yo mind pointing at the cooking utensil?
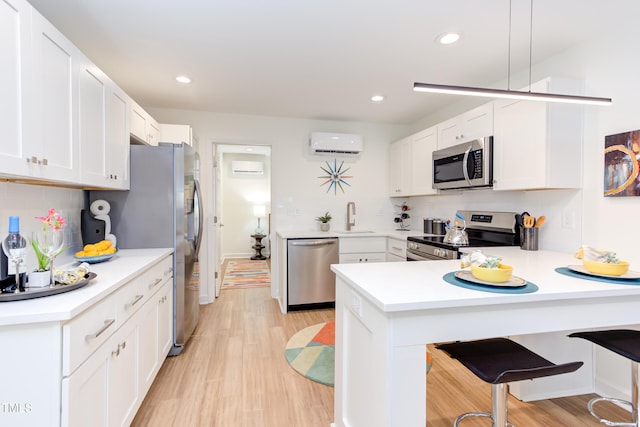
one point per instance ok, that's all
(540, 221)
(528, 221)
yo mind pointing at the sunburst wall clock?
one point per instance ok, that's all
(335, 176)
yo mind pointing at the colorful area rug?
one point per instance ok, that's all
(311, 352)
(246, 274)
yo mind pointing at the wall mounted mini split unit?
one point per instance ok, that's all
(240, 167)
(335, 143)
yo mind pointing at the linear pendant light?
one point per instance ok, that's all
(511, 94)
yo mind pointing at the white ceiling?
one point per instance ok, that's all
(321, 59)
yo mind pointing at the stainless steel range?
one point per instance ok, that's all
(483, 228)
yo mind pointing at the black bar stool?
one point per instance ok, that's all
(499, 361)
(626, 343)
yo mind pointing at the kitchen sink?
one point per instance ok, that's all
(354, 231)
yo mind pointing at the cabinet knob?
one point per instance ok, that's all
(45, 162)
(32, 159)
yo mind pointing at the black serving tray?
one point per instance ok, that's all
(58, 288)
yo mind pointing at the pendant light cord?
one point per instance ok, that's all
(530, 41)
(509, 51)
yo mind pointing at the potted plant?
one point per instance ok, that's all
(324, 221)
(47, 244)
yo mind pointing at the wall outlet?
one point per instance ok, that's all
(568, 220)
(356, 303)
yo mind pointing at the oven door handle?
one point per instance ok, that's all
(465, 165)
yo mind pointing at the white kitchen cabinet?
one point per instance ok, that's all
(400, 168)
(476, 123)
(104, 129)
(51, 143)
(104, 391)
(15, 56)
(362, 249)
(156, 334)
(176, 134)
(396, 250)
(144, 128)
(422, 146)
(38, 104)
(112, 352)
(538, 145)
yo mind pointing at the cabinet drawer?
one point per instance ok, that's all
(397, 247)
(86, 332)
(158, 274)
(353, 258)
(129, 298)
(363, 244)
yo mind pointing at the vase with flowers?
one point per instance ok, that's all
(47, 244)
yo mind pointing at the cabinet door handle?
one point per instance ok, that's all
(116, 352)
(169, 271)
(128, 305)
(99, 332)
(155, 283)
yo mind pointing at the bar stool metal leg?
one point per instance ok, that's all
(634, 404)
(499, 408)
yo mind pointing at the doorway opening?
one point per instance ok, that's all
(242, 203)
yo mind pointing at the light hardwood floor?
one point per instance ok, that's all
(233, 373)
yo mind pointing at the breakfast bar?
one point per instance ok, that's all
(387, 312)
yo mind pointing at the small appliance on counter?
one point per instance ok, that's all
(482, 228)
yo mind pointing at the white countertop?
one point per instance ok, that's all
(403, 286)
(110, 276)
(302, 234)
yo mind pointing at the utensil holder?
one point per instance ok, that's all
(529, 239)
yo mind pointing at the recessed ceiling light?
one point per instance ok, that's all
(448, 38)
(377, 98)
(183, 79)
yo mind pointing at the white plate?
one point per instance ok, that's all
(629, 275)
(514, 282)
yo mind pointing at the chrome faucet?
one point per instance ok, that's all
(351, 215)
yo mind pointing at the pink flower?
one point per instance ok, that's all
(53, 220)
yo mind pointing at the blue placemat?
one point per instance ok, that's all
(568, 272)
(526, 289)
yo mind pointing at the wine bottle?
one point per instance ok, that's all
(15, 248)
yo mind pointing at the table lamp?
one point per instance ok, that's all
(259, 211)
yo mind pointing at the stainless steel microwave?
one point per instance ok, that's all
(466, 165)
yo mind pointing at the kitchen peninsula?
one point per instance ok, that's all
(387, 312)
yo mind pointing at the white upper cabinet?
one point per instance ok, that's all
(422, 146)
(176, 134)
(144, 128)
(476, 123)
(104, 129)
(538, 145)
(400, 168)
(51, 143)
(15, 64)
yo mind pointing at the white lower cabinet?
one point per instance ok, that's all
(156, 325)
(362, 249)
(396, 250)
(111, 381)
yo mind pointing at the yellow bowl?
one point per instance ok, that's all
(606, 269)
(496, 275)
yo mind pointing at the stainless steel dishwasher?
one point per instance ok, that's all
(310, 281)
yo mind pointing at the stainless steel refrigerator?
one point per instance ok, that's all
(163, 209)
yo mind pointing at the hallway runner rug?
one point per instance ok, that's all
(246, 274)
(311, 352)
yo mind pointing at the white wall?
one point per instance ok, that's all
(296, 195)
(239, 194)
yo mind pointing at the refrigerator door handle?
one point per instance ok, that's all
(198, 201)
